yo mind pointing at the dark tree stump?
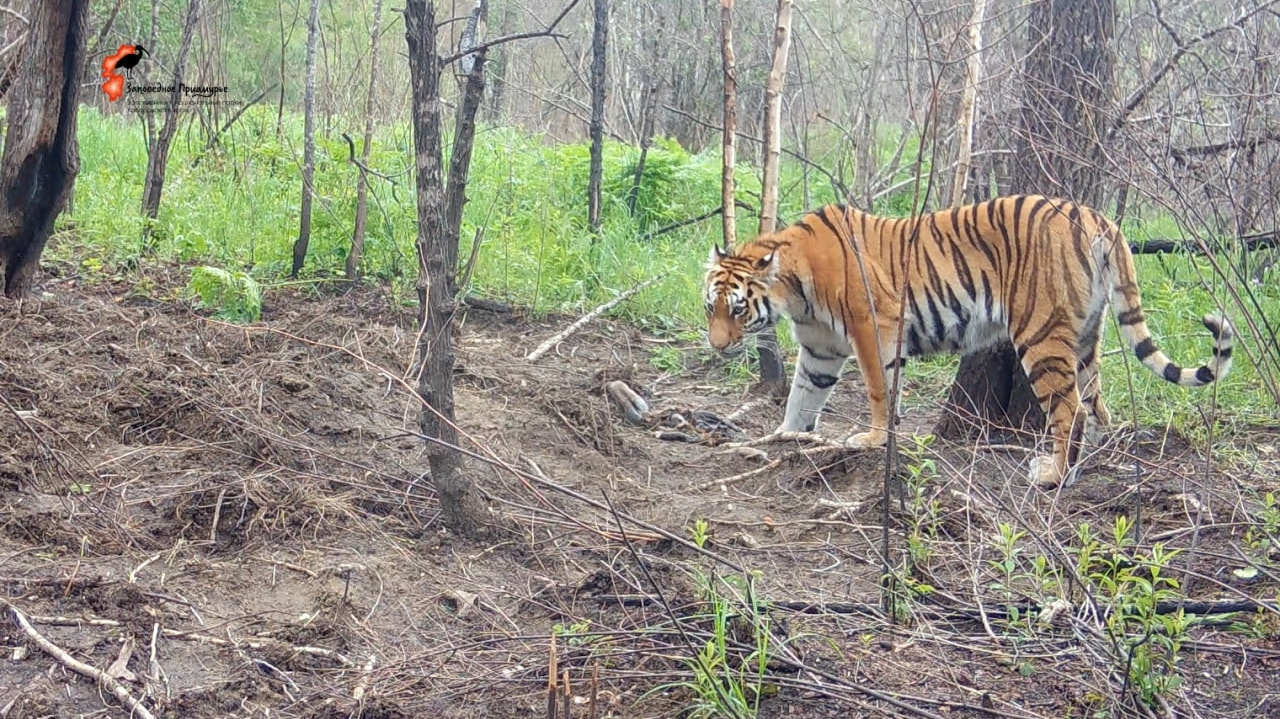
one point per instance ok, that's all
(41, 157)
(990, 394)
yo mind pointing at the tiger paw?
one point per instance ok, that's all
(866, 440)
(1044, 472)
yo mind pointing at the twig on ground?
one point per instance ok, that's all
(134, 705)
(738, 477)
(546, 347)
(362, 685)
(748, 408)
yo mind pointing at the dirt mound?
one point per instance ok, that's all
(238, 520)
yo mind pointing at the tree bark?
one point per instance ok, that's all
(773, 119)
(1068, 77)
(308, 141)
(158, 157)
(772, 371)
(599, 39)
(969, 103)
(455, 196)
(362, 181)
(728, 155)
(461, 506)
(41, 156)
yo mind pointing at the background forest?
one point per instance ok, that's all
(211, 418)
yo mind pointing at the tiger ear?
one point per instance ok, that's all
(764, 262)
(717, 254)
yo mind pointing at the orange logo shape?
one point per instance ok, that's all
(126, 58)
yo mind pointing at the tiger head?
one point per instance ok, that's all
(737, 294)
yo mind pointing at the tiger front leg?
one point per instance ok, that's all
(817, 371)
(880, 370)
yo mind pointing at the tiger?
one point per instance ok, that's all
(1034, 270)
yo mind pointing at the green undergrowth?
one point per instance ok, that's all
(235, 208)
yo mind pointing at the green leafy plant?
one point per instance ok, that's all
(1131, 585)
(232, 295)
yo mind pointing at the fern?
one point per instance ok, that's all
(232, 295)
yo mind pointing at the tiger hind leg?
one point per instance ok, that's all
(1051, 371)
(1089, 383)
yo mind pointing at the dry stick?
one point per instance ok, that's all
(135, 706)
(562, 336)
(362, 686)
(551, 680)
(737, 477)
(595, 686)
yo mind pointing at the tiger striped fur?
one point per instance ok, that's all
(1036, 270)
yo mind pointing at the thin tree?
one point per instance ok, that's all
(362, 181)
(599, 41)
(773, 118)
(41, 157)
(462, 508)
(158, 157)
(1067, 83)
(968, 103)
(308, 141)
(730, 132)
(455, 194)
(772, 378)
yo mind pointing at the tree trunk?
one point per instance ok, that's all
(729, 145)
(498, 67)
(464, 132)
(773, 119)
(308, 141)
(158, 157)
(1067, 85)
(362, 181)
(772, 371)
(599, 38)
(461, 506)
(969, 103)
(647, 111)
(41, 157)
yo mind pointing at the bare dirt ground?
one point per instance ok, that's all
(237, 522)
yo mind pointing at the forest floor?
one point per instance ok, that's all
(237, 522)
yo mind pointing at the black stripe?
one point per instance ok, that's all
(821, 355)
(897, 363)
(1223, 353)
(1204, 375)
(1144, 349)
(822, 215)
(1049, 365)
(1214, 328)
(1131, 317)
(1172, 372)
(820, 379)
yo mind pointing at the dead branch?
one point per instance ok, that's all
(1259, 241)
(545, 347)
(134, 705)
(1139, 95)
(689, 221)
(351, 157)
(548, 32)
(1182, 155)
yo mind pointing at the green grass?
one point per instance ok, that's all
(237, 209)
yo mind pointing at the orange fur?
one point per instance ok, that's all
(1036, 270)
